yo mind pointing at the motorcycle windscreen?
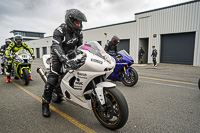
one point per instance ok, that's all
(95, 48)
(124, 52)
(23, 51)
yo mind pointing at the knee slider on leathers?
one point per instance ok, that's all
(47, 93)
(52, 79)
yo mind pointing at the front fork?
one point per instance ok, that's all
(98, 90)
(126, 70)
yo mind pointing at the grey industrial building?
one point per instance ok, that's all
(27, 35)
(173, 30)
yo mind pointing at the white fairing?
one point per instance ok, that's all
(99, 90)
(23, 56)
(46, 58)
(94, 66)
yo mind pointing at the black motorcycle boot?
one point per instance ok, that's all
(45, 108)
(16, 77)
(46, 98)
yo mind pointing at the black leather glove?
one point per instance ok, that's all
(63, 59)
(72, 64)
(71, 54)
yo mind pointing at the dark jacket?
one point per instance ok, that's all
(65, 40)
(3, 48)
(110, 49)
(141, 52)
(154, 53)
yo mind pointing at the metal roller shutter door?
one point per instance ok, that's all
(178, 48)
(124, 44)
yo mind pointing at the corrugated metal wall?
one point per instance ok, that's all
(178, 19)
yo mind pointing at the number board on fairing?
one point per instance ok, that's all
(97, 61)
(24, 56)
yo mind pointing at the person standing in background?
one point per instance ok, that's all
(154, 55)
(141, 53)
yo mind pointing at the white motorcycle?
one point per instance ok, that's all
(87, 88)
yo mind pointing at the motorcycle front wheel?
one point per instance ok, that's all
(131, 80)
(26, 76)
(114, 113)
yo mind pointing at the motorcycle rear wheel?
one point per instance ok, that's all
(56, 98)
(114, 113)
(26, 76)
(131, 80)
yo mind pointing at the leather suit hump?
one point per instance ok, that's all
(112, 48)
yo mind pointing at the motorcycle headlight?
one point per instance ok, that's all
(30, 60)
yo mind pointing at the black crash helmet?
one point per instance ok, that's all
(115, 40)
(74, 14)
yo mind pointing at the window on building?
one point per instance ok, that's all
(19, 33)
(32, 34)
(41, 35)
(38, 52)
(44, 50)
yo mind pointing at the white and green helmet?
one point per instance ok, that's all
(8, 40)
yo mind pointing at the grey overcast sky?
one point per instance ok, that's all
(46, 15)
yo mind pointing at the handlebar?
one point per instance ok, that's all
(78, 62)
(118, 57)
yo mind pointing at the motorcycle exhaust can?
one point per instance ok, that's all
(42, 75)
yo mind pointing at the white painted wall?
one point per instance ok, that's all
(44, 42)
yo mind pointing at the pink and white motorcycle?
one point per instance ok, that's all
(86, 86)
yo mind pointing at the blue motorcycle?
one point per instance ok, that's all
(123, 71)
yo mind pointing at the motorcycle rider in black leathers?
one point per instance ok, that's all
(111, 47)
(2, 50)
(66, 37)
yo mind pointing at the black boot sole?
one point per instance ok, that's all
(46, 116)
